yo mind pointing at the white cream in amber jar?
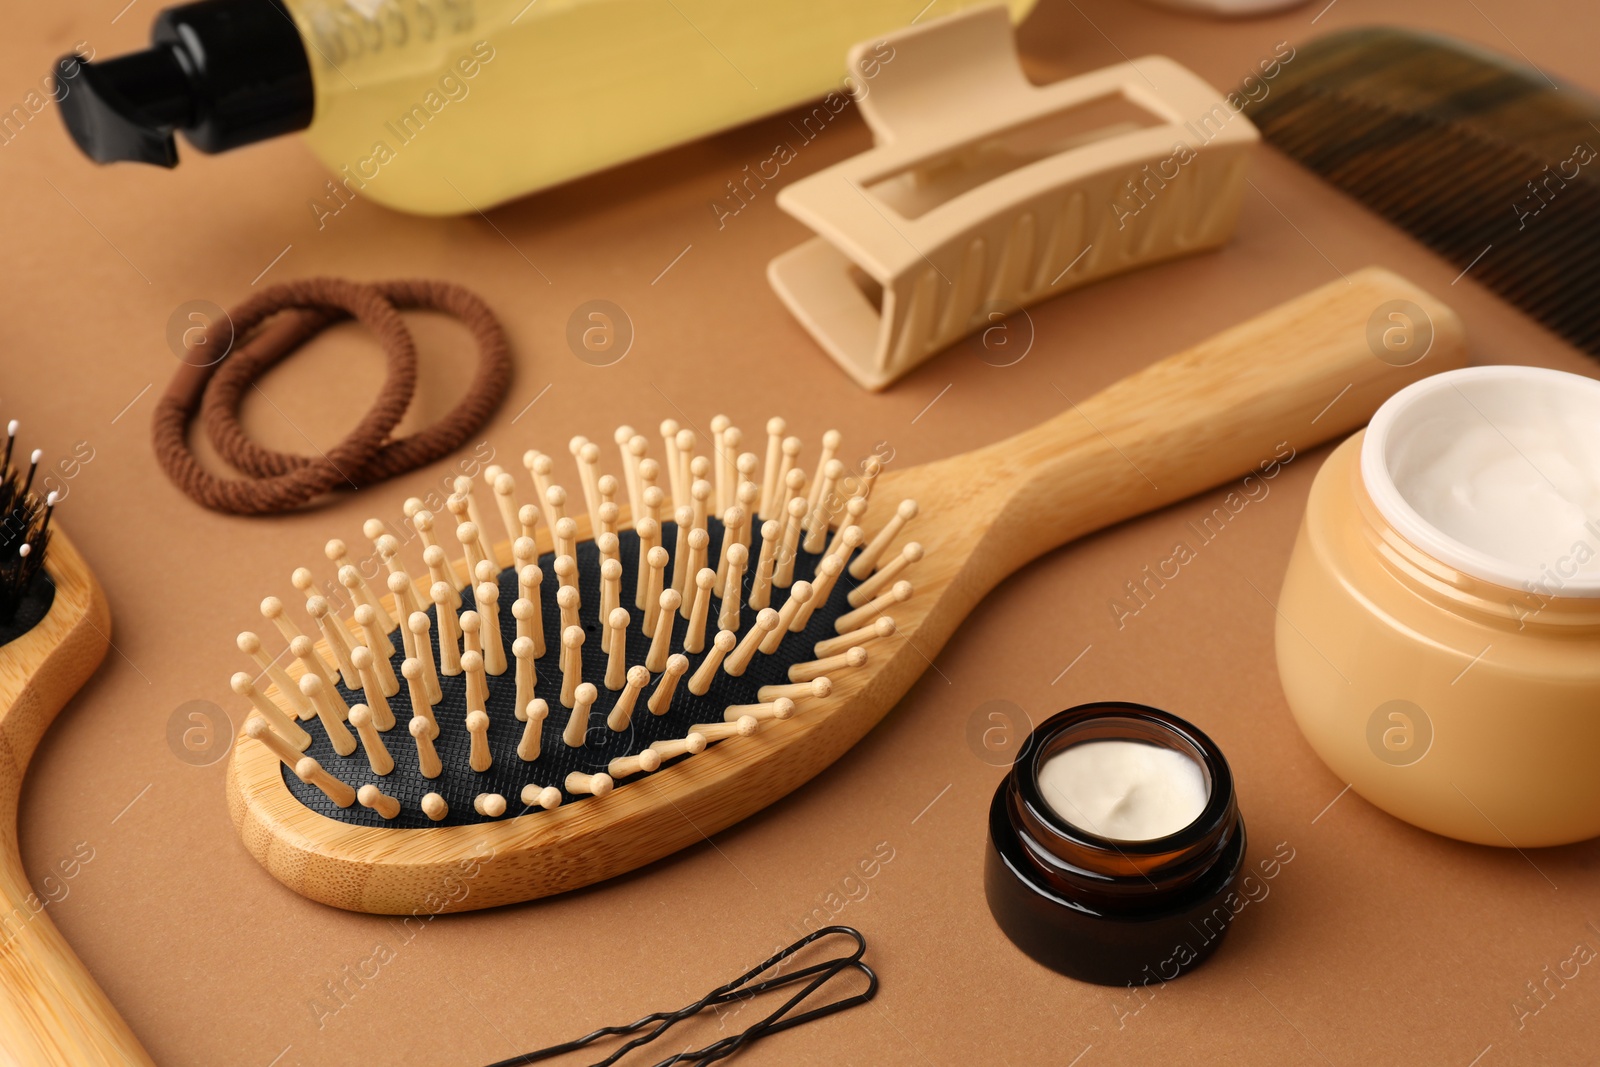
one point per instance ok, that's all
(1124, 790)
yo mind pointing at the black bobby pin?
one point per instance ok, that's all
(745, 987)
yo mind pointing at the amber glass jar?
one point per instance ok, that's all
(1105, 910)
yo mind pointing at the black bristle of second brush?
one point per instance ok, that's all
(25, 591)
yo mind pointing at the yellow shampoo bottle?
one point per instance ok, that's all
(442, 107)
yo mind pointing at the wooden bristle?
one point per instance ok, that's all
(716, 600)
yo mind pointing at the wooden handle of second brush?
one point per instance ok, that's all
(1291, 378)
(52, 1014)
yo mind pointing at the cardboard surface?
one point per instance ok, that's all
(1377, 943)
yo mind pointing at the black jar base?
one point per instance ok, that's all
(1092, 946)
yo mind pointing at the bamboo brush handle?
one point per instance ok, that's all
(1298, 375)
(52, 1014)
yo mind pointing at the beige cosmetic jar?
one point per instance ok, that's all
(1438, 633)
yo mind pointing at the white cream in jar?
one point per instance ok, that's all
(1124, 790)
(1496, 472)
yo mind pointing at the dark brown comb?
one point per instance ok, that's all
(1487, 161)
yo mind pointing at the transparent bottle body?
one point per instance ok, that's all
(442, 107)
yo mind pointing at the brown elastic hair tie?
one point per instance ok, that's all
(276, 322)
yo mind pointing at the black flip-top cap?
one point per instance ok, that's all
(224, 72)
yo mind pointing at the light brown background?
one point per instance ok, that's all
(1378, 943)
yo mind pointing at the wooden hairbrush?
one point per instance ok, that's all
(54, 630)
(644, 741)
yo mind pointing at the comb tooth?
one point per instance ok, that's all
(772, 473)
(592, 784)
(250, 645)
(311, 772)
(623, 435)
(331, 711)
(699, 544)
(272, 611)
(400, 588)
(449, 659)
(547, 797)
(385, 544)
(854, 509)
(848, 541)
(746, 726)
(820, 483)
(351, 579)
(583, 698)
(669, 442)
(661, 700)
(690, 745)
(567, 603)
(627, 766)
(563, 528)
(700, 502)
(528, 625)
(622, 711)
(372, 797)
(532, 733)
(828, 572)
(306, 652)
(616, 640)
(258, 728)
(607, 486)
(494, 649)
(428, 763)
(720, 424)
(435, 807)
(799, 597)
(748, 465)
(720, 647)
(870, 469)
(464, 491)
(571, 666)
(489, 805)
(731, 518)
(694, 638)
(422, 522)
(540, 467)
(371, 686)
(766, 563)
(419, 626)
(886, 574)
(733, 588)
(681, 450)
(898, 593)
(566, 568)
(661, 636)
(440, 572)
(417, 691)
(526, 554)
(505, 497)
(336, 636)
(790, 544)
(527, 675)
(649, 536)
(282, 725)
(610, 595)
(478, 727)
(820, 512)
(739, 659)
(378, 757)
(779, 708)
(649, 474)
(610, 514)
(655, 579)
(527, 525)
(880, 627)
(816, 689)
(471, 546)
(869, 556)
(368, 620)
(683, 518)
(828, 665)
(477, 683)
